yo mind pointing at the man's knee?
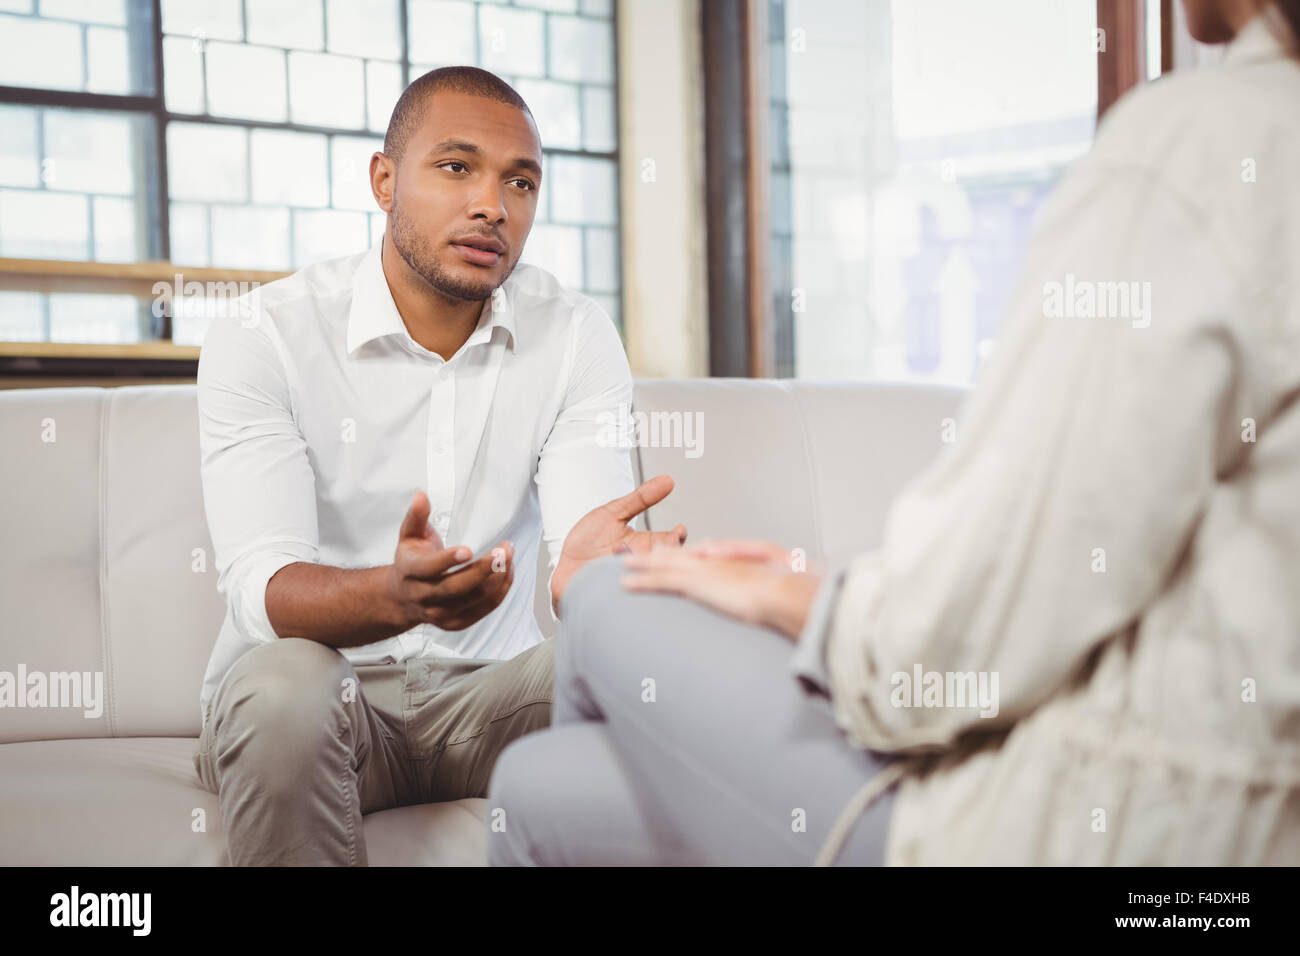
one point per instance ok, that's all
(291, 692)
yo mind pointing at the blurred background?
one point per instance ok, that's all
(832, 189)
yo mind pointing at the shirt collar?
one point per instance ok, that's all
(373, 313)
(1266, 36)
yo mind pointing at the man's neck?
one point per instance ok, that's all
(439, 323)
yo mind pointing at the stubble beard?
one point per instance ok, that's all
(417, 252)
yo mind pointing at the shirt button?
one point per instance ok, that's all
(440, 448)
(443, 516)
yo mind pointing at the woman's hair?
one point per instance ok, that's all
(1291, 10)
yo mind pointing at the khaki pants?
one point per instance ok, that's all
(299, 744)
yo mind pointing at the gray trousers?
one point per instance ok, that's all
(299, 744)
(678, 737)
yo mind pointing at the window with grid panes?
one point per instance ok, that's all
(237, 134)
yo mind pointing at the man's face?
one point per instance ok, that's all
(465, 193)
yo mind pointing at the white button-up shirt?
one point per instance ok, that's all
(320, 417)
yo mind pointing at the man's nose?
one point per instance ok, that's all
(488, 203)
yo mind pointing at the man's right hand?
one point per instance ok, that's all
(425, 589)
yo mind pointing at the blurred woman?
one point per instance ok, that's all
(1111, 548)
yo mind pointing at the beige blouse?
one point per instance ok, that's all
(1113, 542)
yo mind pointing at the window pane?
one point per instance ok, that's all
(81, 317)
(602, 260)
(112, 12)
(555, 107)
(115, 229)
(22, 317)
(108, 62)
(583, 190)
(183, 74)
(204, 19)
(441, 32)
(558, 250)
(368, 28)
(581, 49)
(289, 168)
(900, 216)
(350, 167)
(287, 23)
(207, 161)
(325, 234)
(511, 41)
(20, 161)
(77, 45)
(598, 133)
(40, 53)
(561, 6)
(89, 152)
(79, 200)
(189, 233)
(383, 87)
(246, 82)
(326, 90)
(250, 237)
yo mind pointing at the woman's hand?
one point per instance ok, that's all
(749, 581)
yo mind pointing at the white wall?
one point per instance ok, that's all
(661, 148)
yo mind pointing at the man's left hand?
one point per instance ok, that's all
(604, 530)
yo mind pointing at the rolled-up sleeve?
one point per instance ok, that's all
(1083, 462)
(258, 485)
(808, 663)
(586, 460)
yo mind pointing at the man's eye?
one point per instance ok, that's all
(525, 184)
(457, 166)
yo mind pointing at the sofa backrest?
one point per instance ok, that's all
(106, 562)
(809, 465)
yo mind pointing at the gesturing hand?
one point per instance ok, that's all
(425, 589)
(604, 530)
(750, 581)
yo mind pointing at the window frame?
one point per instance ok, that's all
(159, 356)
(750, 334)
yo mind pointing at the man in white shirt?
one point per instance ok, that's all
(429, 395)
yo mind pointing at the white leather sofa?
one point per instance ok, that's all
(106, 567)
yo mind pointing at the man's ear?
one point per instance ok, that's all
(383, 174)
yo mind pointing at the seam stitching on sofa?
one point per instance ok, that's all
(638, 466)
(812, 472)
(105, 411)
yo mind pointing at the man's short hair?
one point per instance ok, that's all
(409, 111)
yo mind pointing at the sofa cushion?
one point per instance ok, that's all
(131, 801)
(810, 465)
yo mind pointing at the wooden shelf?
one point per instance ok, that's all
(133, 271)
(134, 278)
(132, 350)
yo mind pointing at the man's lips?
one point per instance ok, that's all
(479, 250)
